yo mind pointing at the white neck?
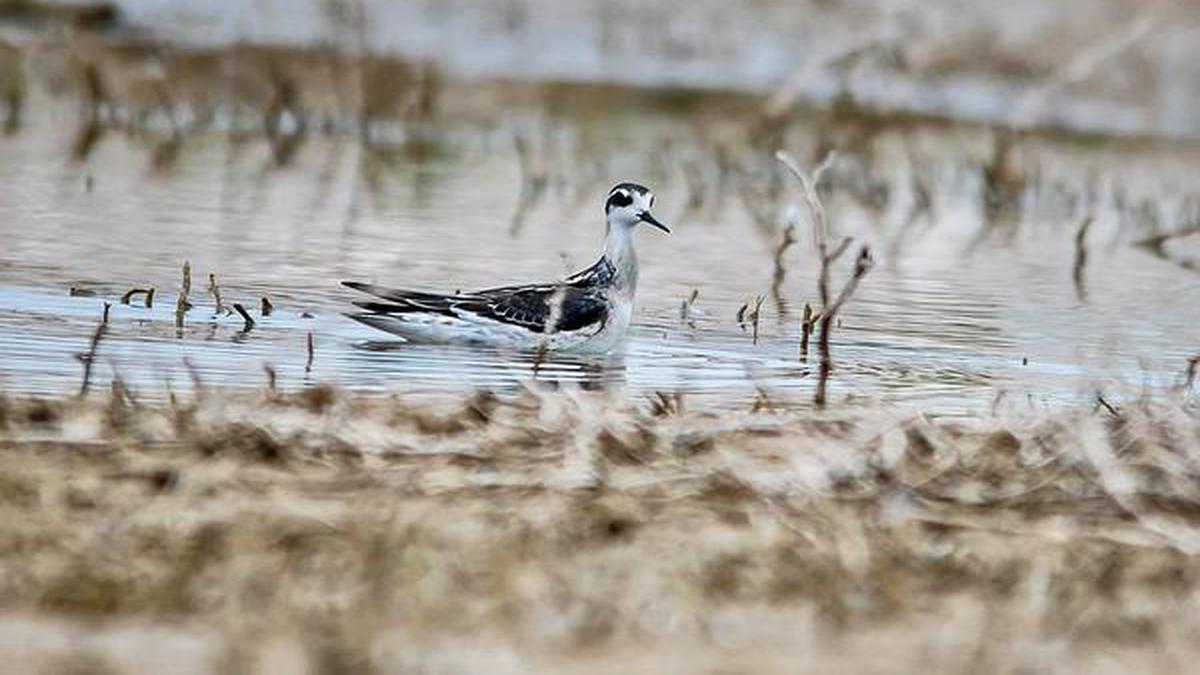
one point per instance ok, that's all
(618, 249)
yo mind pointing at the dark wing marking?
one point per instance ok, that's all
(601, 273)
(581, 311)
(526, 306)
(533, 308)
(400, 295)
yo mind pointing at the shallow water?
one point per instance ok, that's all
(955, 313)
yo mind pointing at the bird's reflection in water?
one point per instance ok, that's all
(418, 366)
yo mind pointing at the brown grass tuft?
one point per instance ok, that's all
(374, 534)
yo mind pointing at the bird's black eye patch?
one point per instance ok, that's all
(618, 199)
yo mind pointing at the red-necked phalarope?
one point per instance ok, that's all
(588, 311)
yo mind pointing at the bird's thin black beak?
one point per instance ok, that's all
(645, 217)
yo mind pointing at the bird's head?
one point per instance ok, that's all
(629, 204)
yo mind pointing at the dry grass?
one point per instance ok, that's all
(567, 532)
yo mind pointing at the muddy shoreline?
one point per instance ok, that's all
(563, 531)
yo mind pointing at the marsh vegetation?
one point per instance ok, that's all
(568, 531)
(907, 388)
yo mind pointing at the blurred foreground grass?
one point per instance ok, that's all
(564, 531)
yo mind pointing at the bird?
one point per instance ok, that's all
(587, 312)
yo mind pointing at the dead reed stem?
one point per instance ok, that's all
(827, 260)
(751, 312)
(780, 271)
(1081, 256)
(246, 318)
(88, 358)
(129, 295)
(685, 309)
(1103, 403)
(756, 316)
(663, 404)
(1190, 376)
(216, 293)
(808, 321)
(181, 304)
(812, 199)
(862, 264)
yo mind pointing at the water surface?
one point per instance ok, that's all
(957, 309)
